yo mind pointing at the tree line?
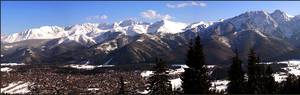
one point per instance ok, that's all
(196, 79)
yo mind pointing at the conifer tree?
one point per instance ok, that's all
(236, 76)
(290, 85)
(269, 81)
(159, 82)
(195, 78)
(122, 87)
(253, 73)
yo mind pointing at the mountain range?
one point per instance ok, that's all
(274, 36)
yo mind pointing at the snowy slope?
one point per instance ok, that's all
(166, 26)
(281, 17)
(200, 24)
(82, 39)
(45, 32)
(17, 88)
(259, 20)
(126, 27)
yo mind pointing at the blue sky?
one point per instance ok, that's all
(17, 16)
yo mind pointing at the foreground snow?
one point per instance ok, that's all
(219, 85)
(293, 67)
(146, 73)
(16, 88)
(176, 84)
(279, 77)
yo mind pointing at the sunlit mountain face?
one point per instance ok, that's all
(274, 36)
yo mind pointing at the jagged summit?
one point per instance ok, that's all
(280, 16)
(269, 33)
(167, 26)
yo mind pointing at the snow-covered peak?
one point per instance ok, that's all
(297, 17)
(44, 32)
(280, 16)
(201, 24)
(82, 39)
(260, 20)
(253, 13)
(127, 23)
(90, 29)
(130, 22)
(166, 26)
(82, 27)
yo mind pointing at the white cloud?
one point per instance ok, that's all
(151, 14)
(97, 17)
(186, 4)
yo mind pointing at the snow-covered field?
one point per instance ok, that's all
(219, 85)
(176, 83)
(5, 67)
(11, 64)
(19, 87)
(146, 73)
(87, 67)
(293, 67)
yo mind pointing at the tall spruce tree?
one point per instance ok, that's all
(253, 73)
(290, 85)
(159, 82)
(122, 86)
(236, 76)
(195, 78)
(269, 81)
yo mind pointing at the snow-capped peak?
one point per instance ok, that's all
(280, 16)
(260, 20)
(167, 26)
(82, 39)
(202, 24)
(128, 22)
(44, 32)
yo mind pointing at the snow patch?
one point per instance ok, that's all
(93, 89)
(146, 73)
(6, 69)
(279, 77)
(11, 64)
(219, 85)
(105, 65)
(140, 40)
(293, 67)
(87, 67)
(143, 92)
(19, 87)
(176, 84)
